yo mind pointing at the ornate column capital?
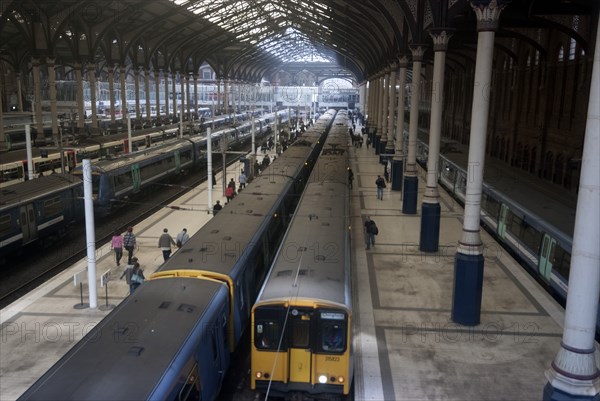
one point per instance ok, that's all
(392, 68)
(488, 13)
(440, 37)
(50, 61)
(417, 52)
(403, 61)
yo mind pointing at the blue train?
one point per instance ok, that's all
(172, 338)
(113, 180)
(38, 210)
(541, 247)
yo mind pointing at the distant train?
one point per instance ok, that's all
(96, 148)
(301, 337)
(542, 248)
(112, 181)
(172, 338)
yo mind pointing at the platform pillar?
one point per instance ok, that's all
(431, 210)
(411, 179)
(397, 169)
(468, 272)
(91, 73)
(574, 374)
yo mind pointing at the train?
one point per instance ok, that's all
(39, 209)
(543, 249)
(173, 337)
(301, 338)
(100, 147)
(113, 180)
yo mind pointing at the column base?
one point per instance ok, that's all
(409, 201)
(376, 144)
(430, 227)
(382, 144)
(467, 291)
(554, 394)
(397, 171)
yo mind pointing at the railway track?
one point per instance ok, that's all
(36, 265)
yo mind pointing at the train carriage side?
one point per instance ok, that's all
(39, 209)
(238, 245)
(544, 249)
(166, 341)
(302, 320)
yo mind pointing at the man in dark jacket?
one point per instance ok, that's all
(371, 231)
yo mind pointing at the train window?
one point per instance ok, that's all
(300, 333)
(52, 206)
(561, 261)
(123, 180)
(267, 334)
(461, 184)
(513, 223)
(531, 237)
(5, 220)
(490, 205)
(215, 346)
(332, 337)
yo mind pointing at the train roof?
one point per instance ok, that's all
(150, 335)
(219, 245)
(313, 260)
(27, 191)
(222, 241)
(106, 165)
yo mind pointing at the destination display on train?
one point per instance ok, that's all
(332, 315)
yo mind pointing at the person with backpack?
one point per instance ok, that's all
(380, 182)
(371, 231)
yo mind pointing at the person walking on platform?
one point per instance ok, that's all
(380, 182)
(243, 180)
(182, 238)
(129, 243)
(350, 177)
(164, 243)
(371, 231)
(137, 277)
(217, 207)
(117, 245)
(214, 178)
(127, 273)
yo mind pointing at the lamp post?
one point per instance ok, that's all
(60, 145)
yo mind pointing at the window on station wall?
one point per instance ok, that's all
(532, 160)
(561, 54)
(525, 164)
(548, 164)
(559, 166)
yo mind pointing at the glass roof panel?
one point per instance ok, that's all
(273, 25)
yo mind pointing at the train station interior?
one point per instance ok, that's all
(483, 117)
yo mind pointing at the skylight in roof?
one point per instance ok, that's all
(273, 25)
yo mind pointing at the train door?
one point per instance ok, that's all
(546, 256)
(136, 177)
(502, 220)
(299, 346)
(177, 162)
(28, 225)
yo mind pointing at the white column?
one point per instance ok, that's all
(440, 45)
(37, 95)
(90, 234)
(111, 91)
(574, 370)
(52, 94)
(124, 111)
(385, 104)
(399, 152)
(391, 109)
(147, 90)
(80, 100)
(415, 98)
(136, 89)
(91, 70)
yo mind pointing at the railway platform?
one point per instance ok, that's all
(407, 347)
(42, 326)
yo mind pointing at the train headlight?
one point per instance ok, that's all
(258, 375)
(340, 379)
(322, 379)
